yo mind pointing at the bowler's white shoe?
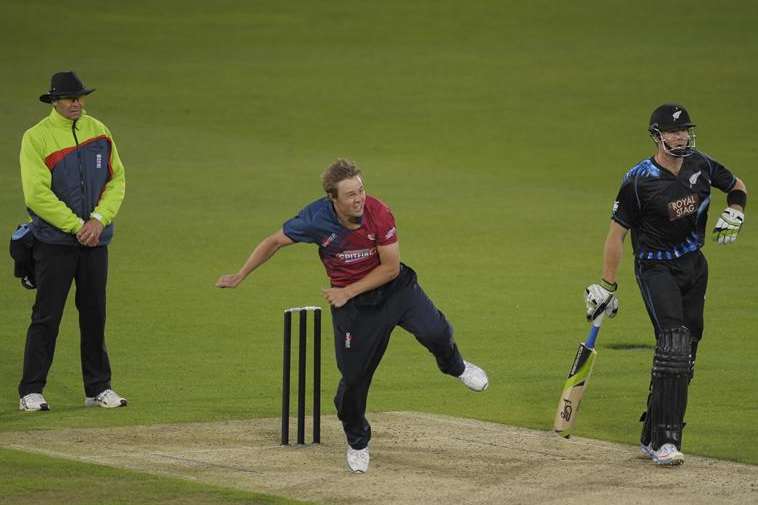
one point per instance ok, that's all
(474, 377)
(108, 399)
(357, 459)
(668, 454)
(646, 451)
(33, 402)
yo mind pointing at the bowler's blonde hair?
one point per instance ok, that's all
(338, 171)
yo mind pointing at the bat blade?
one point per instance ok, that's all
(576, 383)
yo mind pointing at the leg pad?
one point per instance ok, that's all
(670, 379)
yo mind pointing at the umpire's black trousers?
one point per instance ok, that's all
(55, 267)
(362, 329)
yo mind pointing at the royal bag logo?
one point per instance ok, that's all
(683, 207)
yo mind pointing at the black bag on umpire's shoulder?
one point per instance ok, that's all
(21, 249)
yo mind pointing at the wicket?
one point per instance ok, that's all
(303, 311)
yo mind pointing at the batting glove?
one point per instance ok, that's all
(601, 297)
(728, 226)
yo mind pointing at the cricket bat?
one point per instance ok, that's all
(576, 383)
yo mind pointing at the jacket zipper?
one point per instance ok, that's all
(81, 166)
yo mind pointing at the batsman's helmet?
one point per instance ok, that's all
(672, 117)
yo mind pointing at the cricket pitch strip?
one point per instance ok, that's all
(416, 459)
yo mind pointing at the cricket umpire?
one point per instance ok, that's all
(664, 201)
(371, 293)
(73, 183)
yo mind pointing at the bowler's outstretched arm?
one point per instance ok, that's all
(262, 253)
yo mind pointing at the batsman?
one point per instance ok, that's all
(664, 201)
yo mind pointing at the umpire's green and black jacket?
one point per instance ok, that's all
(70, 172)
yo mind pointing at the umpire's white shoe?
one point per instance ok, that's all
(668, 454)
(108, 399)
(33, 402)
(474, 377)
(357, 459)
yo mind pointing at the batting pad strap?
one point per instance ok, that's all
(737, 197)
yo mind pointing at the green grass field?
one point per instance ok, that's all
(59, 481)
(497, 131)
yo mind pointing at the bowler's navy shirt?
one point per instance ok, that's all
(347, 255)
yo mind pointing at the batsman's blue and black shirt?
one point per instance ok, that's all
(667, 213)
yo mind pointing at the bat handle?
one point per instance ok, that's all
(594, 329)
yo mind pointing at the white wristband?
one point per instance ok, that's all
(99, 217)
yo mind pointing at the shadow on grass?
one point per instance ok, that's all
(628, 346)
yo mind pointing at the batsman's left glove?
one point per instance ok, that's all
(601, 297)
(728, 226)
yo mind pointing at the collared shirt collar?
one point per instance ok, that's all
(665, 170)
(59, 120)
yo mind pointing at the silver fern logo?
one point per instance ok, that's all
(694, 177)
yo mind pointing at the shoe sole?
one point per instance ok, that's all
(675, 461)
(42, 408)
(475, 390)
(95, 403)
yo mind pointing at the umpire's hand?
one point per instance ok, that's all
(89, 234)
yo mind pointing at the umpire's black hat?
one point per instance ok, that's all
(65, 84)
(670, 117)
